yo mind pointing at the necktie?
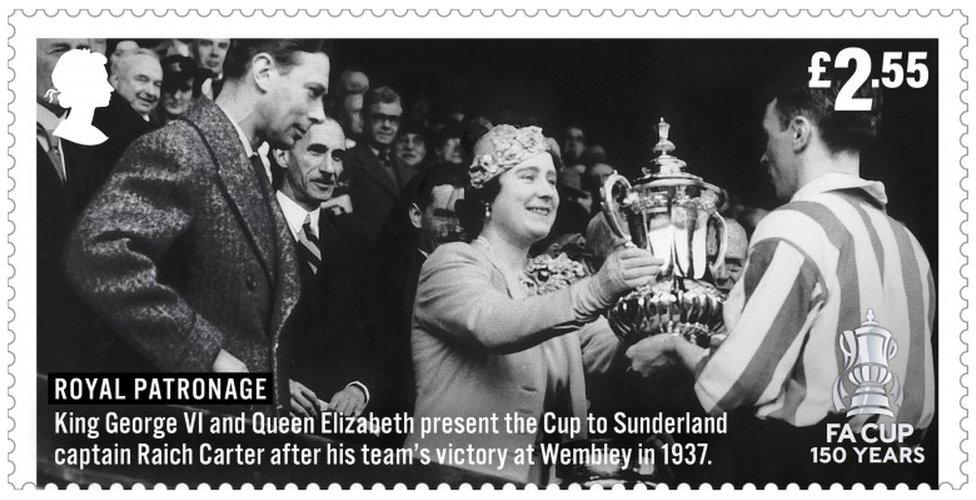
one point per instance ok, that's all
(388, 167)
(53, 149)
(309, 246)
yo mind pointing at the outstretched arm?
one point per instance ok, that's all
(456, 297)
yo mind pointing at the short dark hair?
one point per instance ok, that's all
(398, 233)
(384, 95)
(283, 51)
(421, 187)
(839, 130)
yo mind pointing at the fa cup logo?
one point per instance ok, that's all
(867, 386)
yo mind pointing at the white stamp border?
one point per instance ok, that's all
(951, 28)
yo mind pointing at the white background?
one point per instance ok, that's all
(682, 23)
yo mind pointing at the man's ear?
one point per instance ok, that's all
(263, 69)
(113, 80)
(281, 157)
(416, 215)
(801, 133)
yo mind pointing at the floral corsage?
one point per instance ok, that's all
(545, 273)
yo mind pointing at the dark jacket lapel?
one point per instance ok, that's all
(404, 174)
(236, 178)
(373, 169)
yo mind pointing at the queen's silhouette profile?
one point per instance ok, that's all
(81, 84)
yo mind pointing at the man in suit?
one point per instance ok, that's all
(375, 180)
(137, 76)
(331, 357)
(210, 54)
(424, 219)
(66, 173)
(185, 251)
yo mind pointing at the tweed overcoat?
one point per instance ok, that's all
(185, 251)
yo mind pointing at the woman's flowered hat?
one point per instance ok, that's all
(503, 147)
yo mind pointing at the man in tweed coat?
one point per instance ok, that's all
(185, 251)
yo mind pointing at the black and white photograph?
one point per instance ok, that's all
(538, 261)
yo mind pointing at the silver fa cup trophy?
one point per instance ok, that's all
(674, 215)
(867, 351)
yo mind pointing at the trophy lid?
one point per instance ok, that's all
(667, 171)
(664, 165)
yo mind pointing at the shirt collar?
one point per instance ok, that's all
(379, 154)
(47, 118)
(262, 151)
(836, 181)
(295, 215)
(248, 150)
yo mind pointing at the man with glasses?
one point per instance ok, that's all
(375, 180)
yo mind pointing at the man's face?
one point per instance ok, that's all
(315, 164)
(728, 272)
(439, 222)
(139, 81)
(210, 53)
(382, 123)
(574, 142)
(352, 107)
(780, 159)
(410, 148)
(450, 151)
(295, 99)
(49, 50)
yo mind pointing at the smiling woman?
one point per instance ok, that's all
(483, 343)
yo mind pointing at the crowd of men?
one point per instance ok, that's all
(367, 192)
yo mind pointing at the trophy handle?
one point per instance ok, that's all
(609, 205)
(723, 243)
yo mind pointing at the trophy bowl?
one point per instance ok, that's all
(692, 309)
(674, 215)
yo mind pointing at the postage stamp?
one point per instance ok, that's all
(637, 248)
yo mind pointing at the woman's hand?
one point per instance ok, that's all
(627, 269)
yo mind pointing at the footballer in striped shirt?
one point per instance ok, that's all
(815, 267)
